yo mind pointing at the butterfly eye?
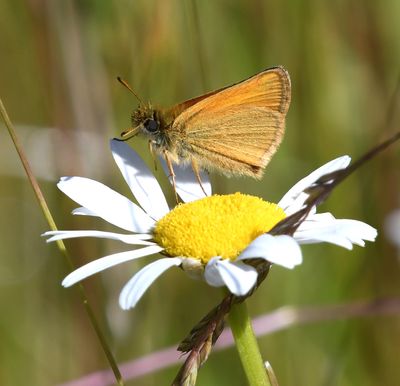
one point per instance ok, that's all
(151, 125)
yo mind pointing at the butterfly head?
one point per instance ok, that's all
(144, 121)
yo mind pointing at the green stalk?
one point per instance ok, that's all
(246, 345)
(194, 27)
(61, 246)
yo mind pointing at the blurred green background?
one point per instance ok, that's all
(59, 61)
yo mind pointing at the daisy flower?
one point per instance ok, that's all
(213, 237)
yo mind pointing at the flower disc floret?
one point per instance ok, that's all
(216, 226)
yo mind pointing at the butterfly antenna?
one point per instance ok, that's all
(124, 83)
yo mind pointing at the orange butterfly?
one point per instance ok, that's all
(235, 129)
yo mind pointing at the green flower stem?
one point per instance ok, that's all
(61, 246)
(247, 346)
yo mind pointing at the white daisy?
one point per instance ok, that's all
(209, 237)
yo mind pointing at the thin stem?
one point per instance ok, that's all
(194, 25)
(246, 345)
(61, 246)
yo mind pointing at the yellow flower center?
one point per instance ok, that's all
(216, 226)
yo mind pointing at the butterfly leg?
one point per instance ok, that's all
(151, 150)
(171, 174)
(196, 172)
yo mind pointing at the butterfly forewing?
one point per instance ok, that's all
(237, 129)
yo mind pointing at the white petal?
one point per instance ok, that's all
(140, 179)
(240, 278)
(83, 212)
(106, 203)
(134, 239)
(137, 286)
(187, 185)
(211, 273)
(107, 262)
(194, 268)
(317, 218)
(341, 232)
(282, 250)
(296, 195)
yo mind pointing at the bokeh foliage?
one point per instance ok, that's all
(59, 60)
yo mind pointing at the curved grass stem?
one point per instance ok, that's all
(61, 246)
